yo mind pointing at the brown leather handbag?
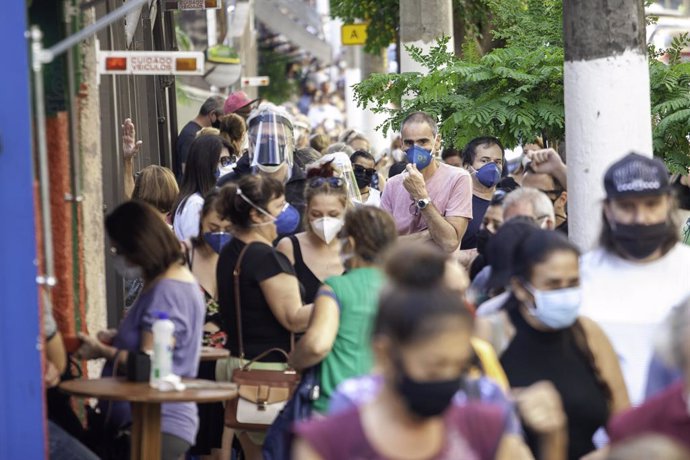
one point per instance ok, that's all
(262, 393)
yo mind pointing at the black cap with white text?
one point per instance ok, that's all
(635, 175)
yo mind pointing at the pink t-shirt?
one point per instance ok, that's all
(450, 191)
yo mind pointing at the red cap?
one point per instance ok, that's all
(236, 101)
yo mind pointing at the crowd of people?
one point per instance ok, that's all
(431, 295)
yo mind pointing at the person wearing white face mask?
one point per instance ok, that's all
(339, 332)
(539, 335)
(315, 253)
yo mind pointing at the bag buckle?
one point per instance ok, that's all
(261, 406)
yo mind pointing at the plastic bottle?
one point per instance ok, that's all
(161, 360)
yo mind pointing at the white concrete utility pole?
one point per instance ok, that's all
(422, 22)
(607, 105)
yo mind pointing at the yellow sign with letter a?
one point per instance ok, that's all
(353, 34)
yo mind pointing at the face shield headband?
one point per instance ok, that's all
(271, 140)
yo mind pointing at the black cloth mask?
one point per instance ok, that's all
(639, 241)
(426, 399)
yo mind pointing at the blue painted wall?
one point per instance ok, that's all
(21, 398)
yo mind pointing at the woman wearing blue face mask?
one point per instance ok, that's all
(542, 337)
(270, 304)
(201, 255)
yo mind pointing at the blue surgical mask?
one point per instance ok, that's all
(288, 220)
(419, 157)
(217, 240)
(558, 308)
(489, 175)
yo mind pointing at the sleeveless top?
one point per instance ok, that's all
(535, 355)
(309, 280)
(357, 293)
(472, 432)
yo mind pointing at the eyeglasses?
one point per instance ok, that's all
(359, 169)
(335, 182)
(225, 161)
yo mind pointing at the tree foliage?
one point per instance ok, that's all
(516, 92)
(383, 17)
(670, 98)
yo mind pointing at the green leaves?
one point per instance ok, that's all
(516, 92)
(508, 93)
(383, 17)
(670, 100)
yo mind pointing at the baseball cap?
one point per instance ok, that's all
(236, 101)
(636, 174)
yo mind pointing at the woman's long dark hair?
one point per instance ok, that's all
(534, 250)
(200, 169)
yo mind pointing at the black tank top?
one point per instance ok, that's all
(305, 276)
(535, 355)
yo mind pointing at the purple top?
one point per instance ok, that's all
(472, 432)
(356, 391)
(666, 414)
(184, 304)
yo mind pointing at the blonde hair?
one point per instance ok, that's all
(208, 131)
(233, 129)
(156, 185)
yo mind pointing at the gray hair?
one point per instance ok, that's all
(420, 117)
(340, 147)
(671, 339)
(541, 204)
(350, 135)
(212, 104)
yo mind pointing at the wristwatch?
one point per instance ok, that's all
(423, 203)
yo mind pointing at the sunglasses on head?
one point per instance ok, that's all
(335, 182)
(362, 170)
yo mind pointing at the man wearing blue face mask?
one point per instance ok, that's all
(430, 200)
(271, 153)
(484, 158)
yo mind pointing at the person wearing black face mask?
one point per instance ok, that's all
(208, 116)
(640, 271)
(421, 342)
(363, 164)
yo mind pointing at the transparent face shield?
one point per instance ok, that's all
(342, 164)
(271, 141)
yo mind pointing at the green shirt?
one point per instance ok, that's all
(357, 293)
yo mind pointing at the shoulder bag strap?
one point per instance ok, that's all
(236, 276)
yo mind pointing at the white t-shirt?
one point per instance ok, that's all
(374, 198)
(629, 300)
(186, 224)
